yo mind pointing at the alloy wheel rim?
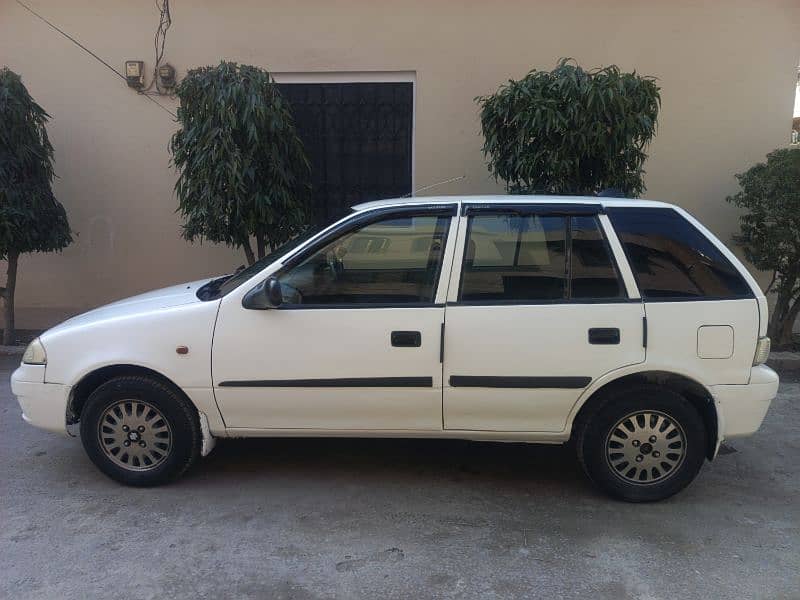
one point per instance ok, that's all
(645, 447)
(135, 435)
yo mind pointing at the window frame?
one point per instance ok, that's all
(704, 234)
(567, 211)
(364, 219)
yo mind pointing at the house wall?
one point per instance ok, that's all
(727, 72)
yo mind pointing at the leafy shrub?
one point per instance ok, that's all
(770, 233)
(570, 131)
(242, 170)
(31, 219)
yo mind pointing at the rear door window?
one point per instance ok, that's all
(513, 257)
(518, 258)
(672, 259)
(593, 272)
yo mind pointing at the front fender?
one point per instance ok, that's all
(147, 339)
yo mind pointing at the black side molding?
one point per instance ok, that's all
(519, 382)
(338, 382)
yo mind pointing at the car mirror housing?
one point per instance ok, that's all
(265, 295)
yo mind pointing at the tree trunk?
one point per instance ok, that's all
(787, 326)
(261, 245)
(783, 315)
(248, 252)
(776, 320)
(9, 335)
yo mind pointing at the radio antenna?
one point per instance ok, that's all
(433, 185)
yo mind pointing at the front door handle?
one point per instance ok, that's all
(406, 339)
(604, 335)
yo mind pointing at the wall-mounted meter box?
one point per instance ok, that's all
(166, 75)
(134, 73)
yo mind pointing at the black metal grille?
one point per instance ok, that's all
(358, 139)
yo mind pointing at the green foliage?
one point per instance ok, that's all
(242, 169)
(31, 219)
(570, 131)
(770, 232)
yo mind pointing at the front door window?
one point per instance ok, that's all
(393, 261)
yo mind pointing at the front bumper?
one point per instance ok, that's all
(43, 404)
(741, 408)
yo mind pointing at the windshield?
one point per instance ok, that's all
(217, 288)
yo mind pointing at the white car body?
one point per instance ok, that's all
(708, 342)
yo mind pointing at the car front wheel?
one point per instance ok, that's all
(139, 431)
(643, 444)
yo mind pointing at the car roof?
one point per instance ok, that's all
(511, 199)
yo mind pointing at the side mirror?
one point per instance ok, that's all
(266, 294)
(274, 292)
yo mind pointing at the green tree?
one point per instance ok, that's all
(570, 131)
(242, 170)
(31, 219)
(770, 233)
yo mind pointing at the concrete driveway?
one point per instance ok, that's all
(394, 519)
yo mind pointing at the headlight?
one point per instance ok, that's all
(762, 351)
(35, 354)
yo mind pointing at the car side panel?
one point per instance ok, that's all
(548, 341)
(268, 365)
(674, 327)
(145, 340)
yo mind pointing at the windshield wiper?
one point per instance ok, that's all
(209, 290)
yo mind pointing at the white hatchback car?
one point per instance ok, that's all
(621, 325)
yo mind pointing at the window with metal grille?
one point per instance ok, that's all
(357, 138)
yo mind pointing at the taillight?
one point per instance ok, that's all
(762, 351)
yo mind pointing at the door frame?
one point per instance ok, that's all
(624, 271)
(236, 385)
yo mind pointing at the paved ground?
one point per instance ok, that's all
(394, 519)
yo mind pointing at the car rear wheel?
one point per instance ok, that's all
(643, 443)
(139, 431)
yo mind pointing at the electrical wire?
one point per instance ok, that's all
(97, 58)
(159, 41)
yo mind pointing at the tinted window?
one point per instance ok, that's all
(672, 259)
(235, 280)
(521, 258)
(513, 257)
(593, 273)
(394, 261)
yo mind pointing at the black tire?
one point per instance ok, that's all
(181, 446)
(598, 436)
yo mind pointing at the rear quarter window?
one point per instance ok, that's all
(672, 259)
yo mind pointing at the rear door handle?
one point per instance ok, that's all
(406, 339)
(604, 335)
